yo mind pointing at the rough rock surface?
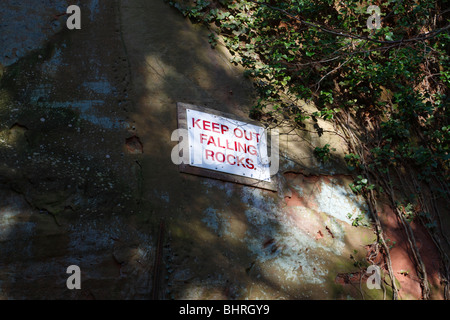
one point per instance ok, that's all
(86, 177)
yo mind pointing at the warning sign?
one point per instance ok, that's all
(227, 145)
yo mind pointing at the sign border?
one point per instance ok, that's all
(229, 177)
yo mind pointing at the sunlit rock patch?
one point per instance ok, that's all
(293, 242)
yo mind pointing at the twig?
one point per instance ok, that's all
(335, 69)
(157, 264)
(423, 36)
(372, 206)
(421, 270)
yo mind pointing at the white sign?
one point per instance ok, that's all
(226, 145)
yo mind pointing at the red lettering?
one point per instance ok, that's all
(211, 140)
(201, 137)
(195, 122)
(251, 152)
(215, 126)
(228, 159)
(250, 164)
(209, 153)
(237, 129)
(224, 128)
(241, 161)
(206, 125)
(257, 137)
(218, 143)
(240, 148)
(228, 146)
(222, 155)
(245, 134)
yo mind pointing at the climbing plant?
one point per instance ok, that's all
(386, 87)
(395, 77)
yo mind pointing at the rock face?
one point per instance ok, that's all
(27, 25)
(86, 176)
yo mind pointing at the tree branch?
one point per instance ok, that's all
(420, 37)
